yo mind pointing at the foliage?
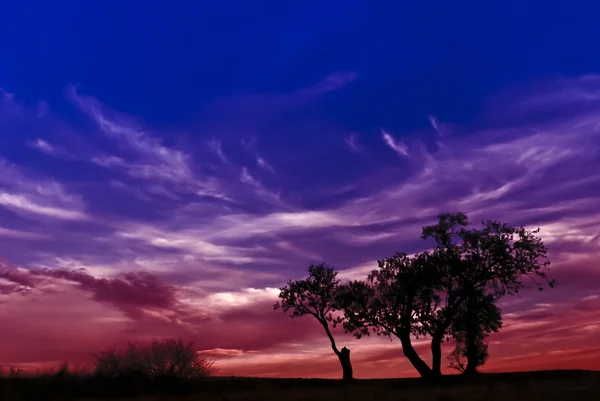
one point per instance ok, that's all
(13, 372)
(496, 257)
(487, 318)
(398, 298)
(315, 295)
(160, 358)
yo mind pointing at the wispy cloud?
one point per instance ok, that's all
(262, 163)
(22, 203)
(149, 158)
(397, 146)
(50, 149)
(352, 142)
(263, 193)
(217, 148)
(157, 160)
(43, 146)
(246, 178)
(18, 234)
(333, 82)
(435, 124)
(36, 196)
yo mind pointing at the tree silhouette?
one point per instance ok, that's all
(448, 292)
(397, 300)
(316, 295)
(495, 259)
(486, 319)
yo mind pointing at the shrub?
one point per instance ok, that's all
(159, 359)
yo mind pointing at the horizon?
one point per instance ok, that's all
(164, 170)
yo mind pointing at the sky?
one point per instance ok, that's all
(165, 167)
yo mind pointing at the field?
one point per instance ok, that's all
(529, 386)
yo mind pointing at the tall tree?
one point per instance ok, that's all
(397, 300)
(496, 259)
(316, 295)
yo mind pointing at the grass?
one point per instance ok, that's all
(529, 386)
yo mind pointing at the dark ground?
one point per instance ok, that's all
(529, 386)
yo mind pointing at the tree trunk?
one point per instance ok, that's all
(471, 336)
(413, 357)
(344, 357)
(436, 356)
(437, 338)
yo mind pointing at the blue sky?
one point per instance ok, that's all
(163, 61)
(210, 150)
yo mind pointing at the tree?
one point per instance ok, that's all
(316, 295)
(496, 259)
(397, 300)
(487, 319)
(424, 295)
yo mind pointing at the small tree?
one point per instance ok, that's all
(487, 318)
(497, 259)
(316, 295)
(160, 358)
(397, 300)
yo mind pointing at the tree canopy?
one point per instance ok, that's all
(317, 296)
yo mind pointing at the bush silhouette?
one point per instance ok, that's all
(166, 358)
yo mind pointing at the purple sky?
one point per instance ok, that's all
(115, 229)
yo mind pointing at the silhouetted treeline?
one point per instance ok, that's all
(448, 292)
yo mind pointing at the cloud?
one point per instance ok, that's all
(192, 242)
(36, 196)
(135, 289)
(352, 141)
(135, 293)
(217, 148)
(18, 234)
(262, 163)
(52, 150)
(434, 123)
(261, 191)
(397, 146)
(223, 352)
(14, 280)
(22, 203)
(149, 158)
(43, 146)
(440, 129)
(333, 82)
(246, 178)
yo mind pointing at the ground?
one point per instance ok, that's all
(529, 386)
